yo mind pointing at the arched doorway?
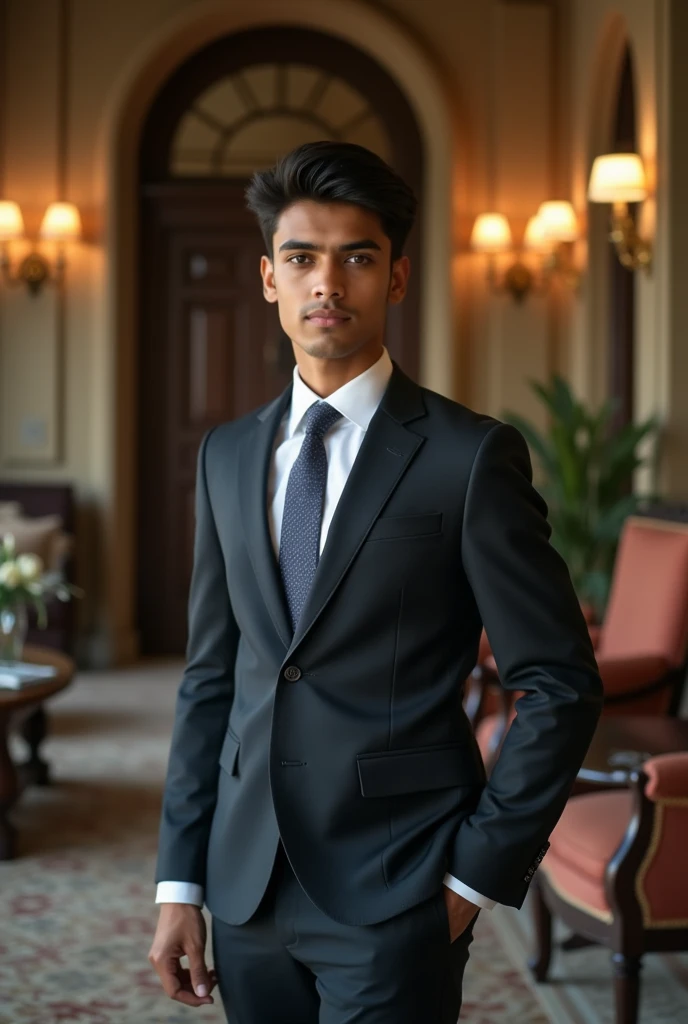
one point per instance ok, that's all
(621, 280)
(210, 347)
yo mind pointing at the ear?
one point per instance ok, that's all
(267, 272)
(401, 269)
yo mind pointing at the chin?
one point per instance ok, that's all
(328, 347)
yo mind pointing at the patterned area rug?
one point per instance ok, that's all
(77, 912)
(580, 989)
(76, 906)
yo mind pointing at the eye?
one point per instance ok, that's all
(299, 256)
(360, 256)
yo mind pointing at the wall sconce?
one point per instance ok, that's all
(619, 179)
(61, 223)
(491, 234)
(557, 228)
(550, 233)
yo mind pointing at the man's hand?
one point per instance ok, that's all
(460, 911)
(181, 930)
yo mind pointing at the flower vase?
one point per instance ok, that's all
(14, 624)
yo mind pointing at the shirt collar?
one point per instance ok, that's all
(357, 400)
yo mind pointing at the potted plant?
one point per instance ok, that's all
(22, 583)
(588, 469)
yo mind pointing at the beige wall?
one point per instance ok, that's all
(657, 34)
(506, 96)
(599, 33)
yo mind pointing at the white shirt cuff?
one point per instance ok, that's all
(189, 892)
(469, 894)
(179, 892)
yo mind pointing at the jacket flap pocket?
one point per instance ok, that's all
(420, 525)
(392, 772)
(229, 753)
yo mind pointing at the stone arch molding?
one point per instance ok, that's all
(155, 59)
(613, 37)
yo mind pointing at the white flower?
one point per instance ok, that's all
(8, 544)
(10, 576)
(30, 566)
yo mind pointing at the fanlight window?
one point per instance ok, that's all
(246, 121)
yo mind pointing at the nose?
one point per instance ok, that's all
(329, 283)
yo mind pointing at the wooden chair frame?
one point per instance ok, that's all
(625, 934)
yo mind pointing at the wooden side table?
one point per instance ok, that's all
(24, 709)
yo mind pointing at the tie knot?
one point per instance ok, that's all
(320, 417)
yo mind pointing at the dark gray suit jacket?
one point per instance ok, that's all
(349, 738)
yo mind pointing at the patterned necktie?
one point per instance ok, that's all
(303, 509)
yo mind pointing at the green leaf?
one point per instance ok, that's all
(588, 474)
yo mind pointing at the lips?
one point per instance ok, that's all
(327, 317)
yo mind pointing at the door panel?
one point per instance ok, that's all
(208, 349)
(211, 349)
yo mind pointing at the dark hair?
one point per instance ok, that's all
(330, 172)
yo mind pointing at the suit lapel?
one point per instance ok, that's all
(384, 456)
(254, 469)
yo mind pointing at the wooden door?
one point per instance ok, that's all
(212, 349)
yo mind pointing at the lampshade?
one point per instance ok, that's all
(617, 178)
(61, 222)
(534, 237)
(11, 221)
(491, 233)
(558, 220)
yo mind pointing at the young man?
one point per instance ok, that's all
(325, 796)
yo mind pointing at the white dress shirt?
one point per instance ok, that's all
(357, 401)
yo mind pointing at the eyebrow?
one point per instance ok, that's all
(364, 243)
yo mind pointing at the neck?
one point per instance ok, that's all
(325, 376)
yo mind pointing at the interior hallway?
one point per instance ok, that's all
(77, 904)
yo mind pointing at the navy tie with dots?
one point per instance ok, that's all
(303, 509)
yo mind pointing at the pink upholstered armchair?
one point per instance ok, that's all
(615, 872)
(641, 647)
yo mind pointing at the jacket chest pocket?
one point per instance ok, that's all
(422, 524)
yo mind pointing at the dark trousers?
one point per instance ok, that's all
(292, 964)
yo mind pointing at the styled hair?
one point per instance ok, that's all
(329, 172)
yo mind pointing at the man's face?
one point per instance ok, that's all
(331, 277)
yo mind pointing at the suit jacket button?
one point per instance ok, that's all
(292, 673)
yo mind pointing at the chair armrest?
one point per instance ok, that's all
(627, 675)
(667, 776)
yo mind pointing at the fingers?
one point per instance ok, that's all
(186, 994)
(181, 932)
(178, 984)
(198, 971)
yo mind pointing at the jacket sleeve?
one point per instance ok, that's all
(203, 703)
(541, 645)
